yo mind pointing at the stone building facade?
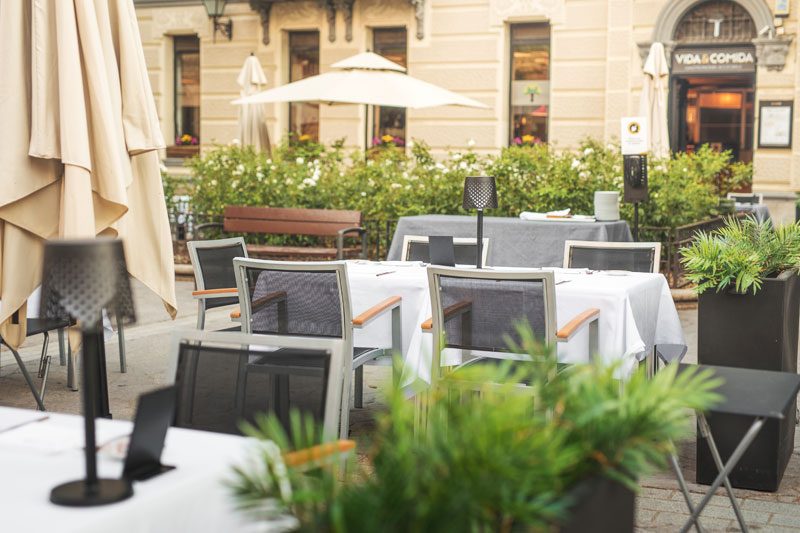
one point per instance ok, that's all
(558, 70)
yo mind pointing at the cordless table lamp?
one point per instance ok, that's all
(80, 279)
(480, 192)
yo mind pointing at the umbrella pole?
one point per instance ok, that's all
(366, 130)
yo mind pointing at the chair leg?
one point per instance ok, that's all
(28, 379)
(62, 347)
(72, 368)
(123, 364)
(358, 396)
(43, 356)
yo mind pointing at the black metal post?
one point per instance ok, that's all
(636, 222)
(480, 237)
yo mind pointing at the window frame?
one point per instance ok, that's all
(374, 128)
(289, 49)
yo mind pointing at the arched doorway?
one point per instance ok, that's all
(713, 75)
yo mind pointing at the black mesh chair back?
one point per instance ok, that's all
(482, 314)
(466, 250)
(633, 257)
(741, 198)
(214, 267)
(221, 386)
(301, 299)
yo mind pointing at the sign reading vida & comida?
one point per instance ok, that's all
(718, 60)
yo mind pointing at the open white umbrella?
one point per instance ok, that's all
(78, 144)
(252, 127)
(653, 103)
(367, 79)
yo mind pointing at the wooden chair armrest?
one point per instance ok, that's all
(376, 310)
(216, 293)
(317, 455)
(458, 308)
(574, 325)
(273, 297)
(356, 229)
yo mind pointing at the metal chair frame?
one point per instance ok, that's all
(348, 324)
(408, 240)
(202, 294)
(601, 245)
(336, 347)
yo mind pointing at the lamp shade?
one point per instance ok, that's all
(215, 8)
(80, 278)
(480, 192)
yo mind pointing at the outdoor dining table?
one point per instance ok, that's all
(512, 241)
(41, 450)
(636, 312)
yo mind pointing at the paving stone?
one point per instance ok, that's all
(654, 504)
(786, 520)
(787, 509)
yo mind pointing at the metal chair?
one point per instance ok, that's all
(477, 311)
(312, 299)
(224, 378)
(416, 248)
(746, 198)
(631, 256)
(215, 281)
(36, 326)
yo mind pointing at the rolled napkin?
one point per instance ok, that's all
(556, 216)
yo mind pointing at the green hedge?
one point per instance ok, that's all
(390, 182)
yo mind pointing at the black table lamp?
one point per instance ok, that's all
(81, 278)
(480, 192)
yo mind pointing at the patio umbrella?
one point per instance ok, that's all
(653, 103)
(252, 127)
(78, 144)
(367, 79)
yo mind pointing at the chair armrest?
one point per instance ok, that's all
(358, 229)
(376, 310)
(215, 293)
(458, 308)
(319, 455)
(271, 298)
(575, 325)
(236, 314)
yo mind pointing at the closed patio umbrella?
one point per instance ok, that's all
(78, 144)
(367, 79)
(252, 127)
(653, 103)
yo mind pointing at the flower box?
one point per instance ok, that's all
(602, 505)
(183, 151)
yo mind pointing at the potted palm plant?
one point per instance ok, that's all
(748, 315)
(562, 454)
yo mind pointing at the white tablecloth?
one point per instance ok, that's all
(636, 312)
(190, 498)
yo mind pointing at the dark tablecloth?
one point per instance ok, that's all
(512, 241)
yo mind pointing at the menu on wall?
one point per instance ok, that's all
(775, 124)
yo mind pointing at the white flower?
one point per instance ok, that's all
(310, 182)
(259, 176)
(234, 184)
(299, 160)
(463, 165)
(583, 174)
(471, 143)
(396, 185)
(588, 151)
(575, 163)
(273, 167)
(235, 142)
(269, 161)
(363, 193)
(410, 144)
(213, 183)
(456, 156)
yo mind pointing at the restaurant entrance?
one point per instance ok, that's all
(714, 110)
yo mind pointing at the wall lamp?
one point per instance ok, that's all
(215, 10)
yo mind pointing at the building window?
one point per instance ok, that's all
(187, 96)
(530, 83)
(390, 121)
(304, 62)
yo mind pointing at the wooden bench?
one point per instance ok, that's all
(292, 221)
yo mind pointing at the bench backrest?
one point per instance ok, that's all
(289, 221)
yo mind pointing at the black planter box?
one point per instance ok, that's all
(601, 506)
(758, 331)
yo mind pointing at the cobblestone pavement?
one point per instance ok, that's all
(660, 505)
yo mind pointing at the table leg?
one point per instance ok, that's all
(684, 490)
(706, 432)
(725, 472)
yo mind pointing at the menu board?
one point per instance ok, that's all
(775, 124)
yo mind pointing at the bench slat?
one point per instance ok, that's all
(288, 221)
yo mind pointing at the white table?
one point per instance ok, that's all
(190, 498)
(636, 312)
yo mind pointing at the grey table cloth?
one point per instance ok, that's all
(512, 241)
(759, 211)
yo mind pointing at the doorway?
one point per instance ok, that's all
(714, 110)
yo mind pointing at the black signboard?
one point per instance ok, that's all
(714, 60)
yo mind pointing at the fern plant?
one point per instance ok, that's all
(741, 254)
(500, 459)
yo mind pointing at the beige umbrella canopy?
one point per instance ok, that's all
(653, 103)
(252, 126)
(78, 144)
